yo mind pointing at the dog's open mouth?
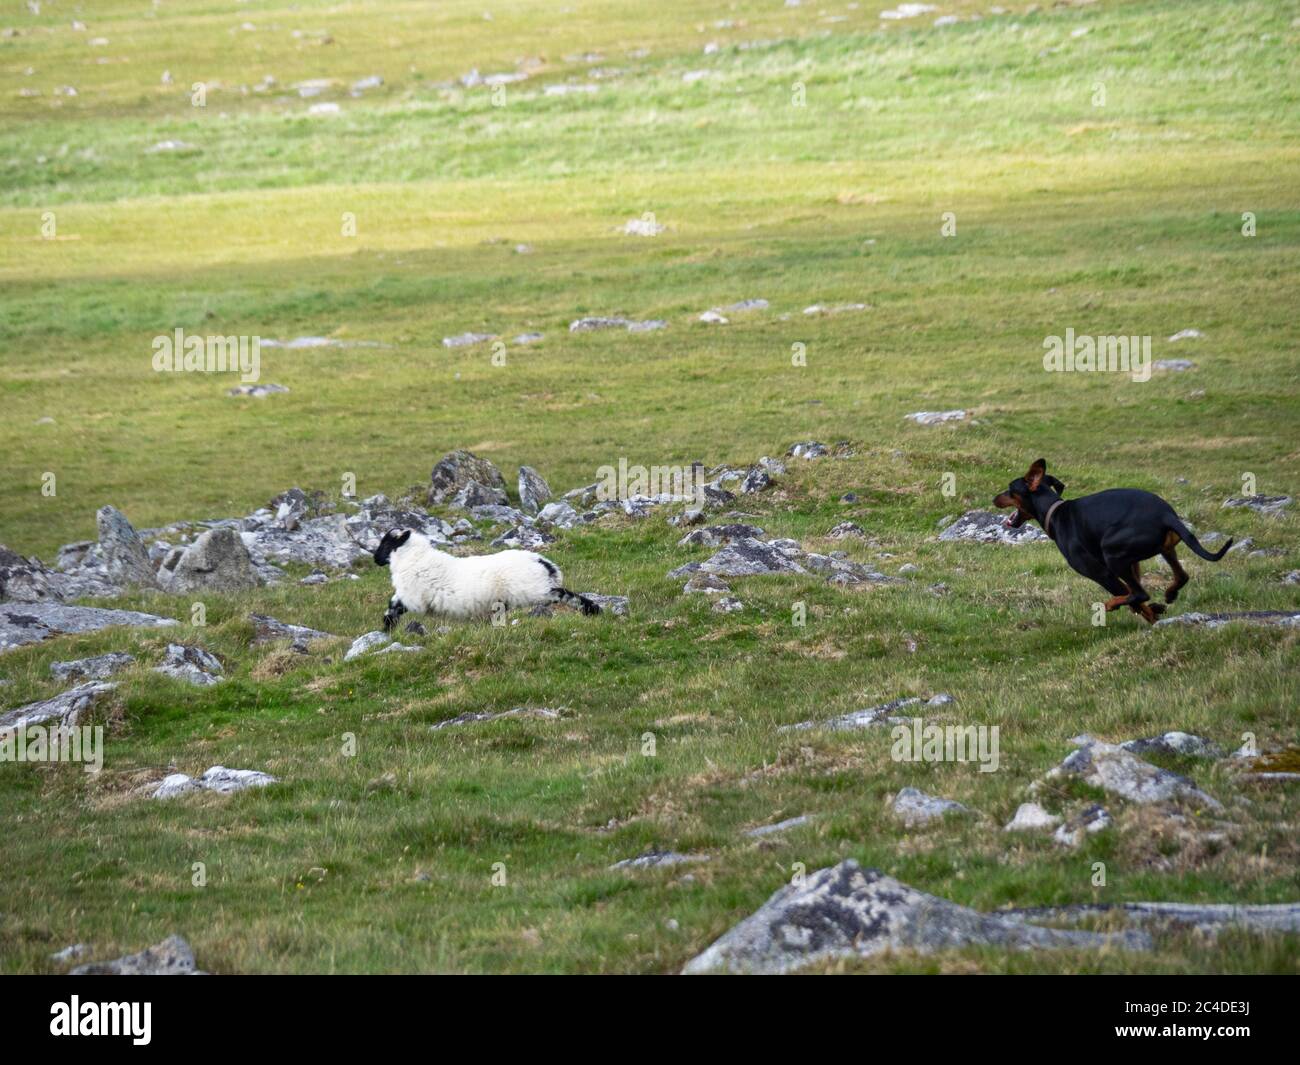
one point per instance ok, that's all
(1014, 521)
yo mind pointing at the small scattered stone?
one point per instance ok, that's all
(915, 808)
(1030, 817)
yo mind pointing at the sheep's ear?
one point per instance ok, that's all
(406, 535)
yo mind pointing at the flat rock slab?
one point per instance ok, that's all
(28, 623)
(1123, 774)
(1283, 618)
(1271, 505)
(935, 417)
(269, 629)
(779, 826)
(846, 912)
(100, 667)
(1180, 743)
(871, 717)
(66, 708)
(542, 712)
(219, 779)
(657, 859)
(1282, 917)
(172, 957)
(989, 527)
(718, 535)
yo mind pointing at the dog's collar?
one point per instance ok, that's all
(1047, 521)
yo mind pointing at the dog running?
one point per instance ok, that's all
(1106, 536)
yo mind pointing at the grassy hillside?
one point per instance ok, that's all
(812, 162)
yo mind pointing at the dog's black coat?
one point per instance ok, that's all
(1106, 536)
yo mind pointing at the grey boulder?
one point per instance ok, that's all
(190, 664)
(456, 469)
(1123, 774)
(217, 561)
(748, 557)
(915, 808)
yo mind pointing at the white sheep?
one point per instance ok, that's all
(429, 581)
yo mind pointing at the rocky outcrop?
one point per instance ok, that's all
(748, 557)
(534, 492)
(1283, 618)
(456, 469)
(25, 580)
(847, 912)
(120, 553)
(1261, 504)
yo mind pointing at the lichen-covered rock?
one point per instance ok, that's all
(64, 709)
(217, 561)
(1180, 743)
(267, 629)
(618, 605)
(706, 583)
(988, 527)
(456, 469)
(915, 808)
(524, 537)
(474, 494)
(171, 957)
(534, 492)
(807, 449)
(846, 912)
(1121, 773)
(716, 535)
(191, 664)
(1283, 618)
(218, 778)
(749, 557)
(26, 623)
(100, 667)
(1261, 504)
(558, 514)
(870, 717)
(543, 713)
(1091, 819)
(121, 554)
(25, 580)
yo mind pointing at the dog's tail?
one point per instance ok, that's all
(1195, 544)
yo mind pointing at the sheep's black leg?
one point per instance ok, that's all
(396, 608)
(563, 595)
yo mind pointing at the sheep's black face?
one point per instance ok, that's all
(392, 540)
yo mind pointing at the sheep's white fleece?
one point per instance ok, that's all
(429, 581)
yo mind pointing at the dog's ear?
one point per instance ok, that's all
(1055, 485)
(1035, 474)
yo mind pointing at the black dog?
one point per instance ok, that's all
(1106, 536)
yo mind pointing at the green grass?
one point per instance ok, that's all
(1124, 218)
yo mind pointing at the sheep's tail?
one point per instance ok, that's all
(589, 606)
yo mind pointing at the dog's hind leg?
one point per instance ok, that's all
(1169, 554)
